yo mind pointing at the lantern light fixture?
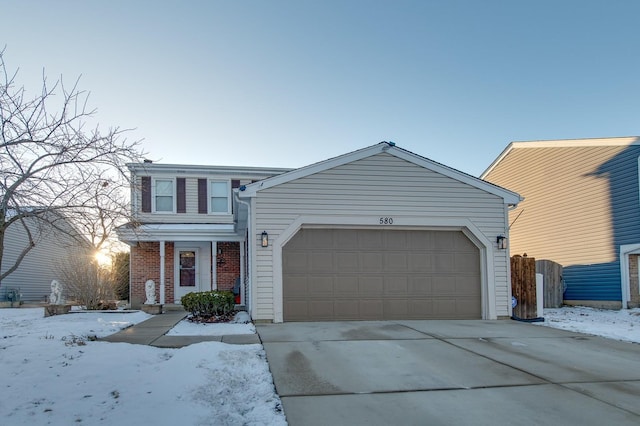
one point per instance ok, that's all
(502, 242)
(265, 239)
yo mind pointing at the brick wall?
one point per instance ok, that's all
(145, 265)
(228, 265)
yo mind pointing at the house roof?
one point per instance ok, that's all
(562, 143)
(191, 169)
(382, 147)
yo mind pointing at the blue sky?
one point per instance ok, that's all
(287, 83)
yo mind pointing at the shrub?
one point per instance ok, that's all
(85, 282)
(208, 303)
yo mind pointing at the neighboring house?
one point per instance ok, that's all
(379, 233)
(581, 209)
(33, 277)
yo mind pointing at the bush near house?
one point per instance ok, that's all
(207, 304)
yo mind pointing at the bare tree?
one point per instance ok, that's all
(53, 165)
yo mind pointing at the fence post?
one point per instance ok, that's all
(523, 286)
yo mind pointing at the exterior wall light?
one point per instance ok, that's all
(502, 242)
(265, 239)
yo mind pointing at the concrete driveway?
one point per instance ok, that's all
(450, 373)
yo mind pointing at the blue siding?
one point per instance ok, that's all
(602, 281)
(593, 282)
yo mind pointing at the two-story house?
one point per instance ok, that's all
(188, 229)
(581, 209)
(378, 233)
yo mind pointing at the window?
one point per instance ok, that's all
(220, 202)
(163, 195)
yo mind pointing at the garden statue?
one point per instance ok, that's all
(150, 290)
(56, 293)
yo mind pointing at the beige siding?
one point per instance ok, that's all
(191, 215)
(574, 224)
(381, 185)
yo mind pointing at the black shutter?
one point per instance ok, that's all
(146, 193)
(202, 196)
(235, 184)
(181, 202)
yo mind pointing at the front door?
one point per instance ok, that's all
(186, 273)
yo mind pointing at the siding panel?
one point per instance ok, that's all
(381, 185)
(581, 203)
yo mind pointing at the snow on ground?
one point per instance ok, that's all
(52, 373)
(620, 325)
(188, 328)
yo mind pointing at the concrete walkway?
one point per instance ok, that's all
(153, 332)
(450, 373)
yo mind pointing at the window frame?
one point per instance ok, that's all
(210, 183)
(154, 195)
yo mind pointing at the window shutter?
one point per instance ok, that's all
(181, 202)
(202, 196)
(235, 184)
(146, 193)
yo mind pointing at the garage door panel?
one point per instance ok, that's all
(371, 309)
(320, 261)
(297, 310)
(467, 263)
(367, 274)
(347, 261)
(371, 262)
(295, 261)
(420, 262)
(321, 309)
(320, 286)
(443, 262)
(420, 286)
(396, 286)
(372, 286)
(346, 309)
(395, 261)
(346, 286)
(296, 285)
(369, 240)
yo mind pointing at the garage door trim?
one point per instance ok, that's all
(484, 245)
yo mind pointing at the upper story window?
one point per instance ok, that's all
(164, 195)
(219, 197)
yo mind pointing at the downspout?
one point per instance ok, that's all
(249, 252)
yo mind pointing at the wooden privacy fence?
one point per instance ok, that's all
(553, 283)
(523, 286)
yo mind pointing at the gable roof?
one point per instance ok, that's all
(562, 143)
(382, 147)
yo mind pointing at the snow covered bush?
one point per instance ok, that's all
(208, 303)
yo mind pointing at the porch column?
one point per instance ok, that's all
(162, 284)
(214, 265)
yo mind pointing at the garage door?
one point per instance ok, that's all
(366, 274)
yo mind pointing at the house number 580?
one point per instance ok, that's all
(386, 221)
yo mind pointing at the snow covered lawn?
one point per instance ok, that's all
(619, 325)
(52, 373)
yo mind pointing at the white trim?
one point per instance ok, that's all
(562, 143)
(153, 195)
(408, 222)
(162, 274)
(625, 279)
(214, 266)
(508, 196)
(176, 269)
(210, 182)
(178, 232)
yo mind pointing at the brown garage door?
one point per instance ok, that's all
(366, 274)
